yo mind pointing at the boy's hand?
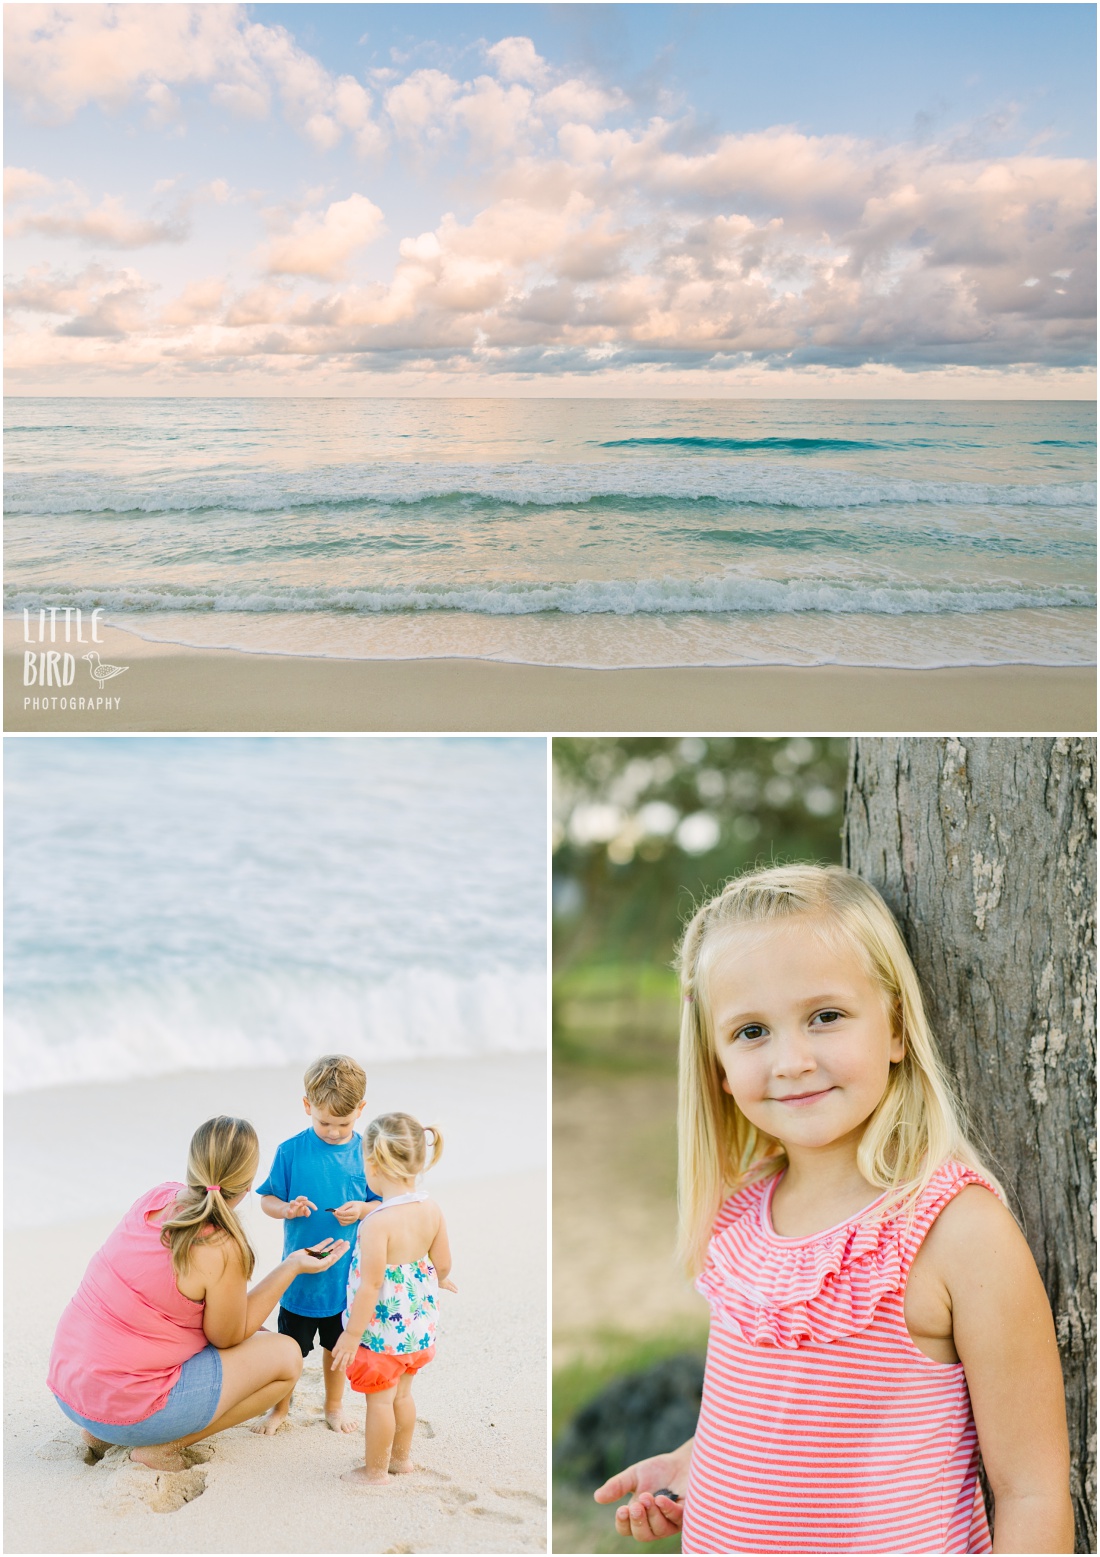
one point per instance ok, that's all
(344, 1350)
(447, 1285)
(350, 1211)
(298, 1207)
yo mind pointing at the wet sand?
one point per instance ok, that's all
(173, 688)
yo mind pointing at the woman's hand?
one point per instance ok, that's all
(649, 1516)
(344, 1350)
(304, 1264)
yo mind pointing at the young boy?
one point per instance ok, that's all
(318, 1187)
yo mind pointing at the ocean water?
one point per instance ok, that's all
(575, 532)
(178, 904)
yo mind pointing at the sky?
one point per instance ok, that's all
(776, 199)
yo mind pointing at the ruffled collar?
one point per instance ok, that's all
(790, 1292)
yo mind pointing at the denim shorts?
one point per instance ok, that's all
(190, 1407)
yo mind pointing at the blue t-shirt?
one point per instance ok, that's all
(327, 1175)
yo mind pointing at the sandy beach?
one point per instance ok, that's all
(169, 687)
(482, 1403)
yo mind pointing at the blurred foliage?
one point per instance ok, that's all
(579, 1524)
(646, 826)
(597, 1005)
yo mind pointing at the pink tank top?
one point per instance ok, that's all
(121, 1342)
(823, 1427)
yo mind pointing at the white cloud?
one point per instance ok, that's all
(321, 246)
(97, 302)
(516, 59)
(107, 225)
(23, 184)
(59, 58)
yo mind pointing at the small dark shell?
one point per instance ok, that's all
(667, 1492)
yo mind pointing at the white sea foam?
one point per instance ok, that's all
(271, 1020)
(584, 597)
(524, 483)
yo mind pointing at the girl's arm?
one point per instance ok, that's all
(440, 1255)
(373, 1245)
(1004, 1335)
(648, 1517)
(233, 1311)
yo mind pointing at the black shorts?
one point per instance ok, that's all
(304, 1328)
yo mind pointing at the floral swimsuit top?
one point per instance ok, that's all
(405, 1314)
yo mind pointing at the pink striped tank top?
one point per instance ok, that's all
(823, 1427)
(123, 1339)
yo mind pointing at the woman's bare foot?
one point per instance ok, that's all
(362, 1477)
(274, 1419)
(335, 1418)
(97, 1447)
(161, 1457)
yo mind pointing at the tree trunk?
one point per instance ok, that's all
(984, 850)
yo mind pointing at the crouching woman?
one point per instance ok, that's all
(159, 1347)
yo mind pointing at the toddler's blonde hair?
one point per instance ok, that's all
(221, 1164)
(398, 1145)
(337, 1083)
(918, 1123)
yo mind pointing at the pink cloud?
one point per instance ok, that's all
(322, 246)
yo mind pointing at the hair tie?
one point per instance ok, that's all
(213, 1189)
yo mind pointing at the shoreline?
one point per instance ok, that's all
(170, 687)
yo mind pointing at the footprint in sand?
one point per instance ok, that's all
(425, 1428)
(65, 1449)
(456, 1496)
(495, 1515)
(521, 1497)
(133, 1487)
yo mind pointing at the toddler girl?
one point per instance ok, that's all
(401, 1259)
(876, 1315)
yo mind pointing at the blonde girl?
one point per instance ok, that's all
(159, 1347)
(876, 1315)
(401, 1260)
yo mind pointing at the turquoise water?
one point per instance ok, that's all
(177, 904)
(566, 531)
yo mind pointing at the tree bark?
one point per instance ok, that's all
(984, 850)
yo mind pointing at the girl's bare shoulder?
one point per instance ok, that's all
(976, 1241)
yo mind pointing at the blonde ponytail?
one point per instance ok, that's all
(398, 1145)
(221, 1164)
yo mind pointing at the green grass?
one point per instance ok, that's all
(619, 1016)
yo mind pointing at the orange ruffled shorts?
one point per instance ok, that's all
(371, 1372)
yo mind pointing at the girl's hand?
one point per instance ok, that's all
(305, 1263)
(447, 1285)
(298, 1207)
(344, 1350)
(649, 1515)
(350, 1211)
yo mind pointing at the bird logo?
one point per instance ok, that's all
(102, 673)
